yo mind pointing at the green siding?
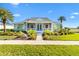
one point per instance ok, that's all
(19, 27)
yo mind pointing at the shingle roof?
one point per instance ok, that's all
(39, 19)
(36, 20)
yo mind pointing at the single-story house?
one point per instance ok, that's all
(37, 23)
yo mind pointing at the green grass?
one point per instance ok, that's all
(73, 37)
(39, 50)
(7, 37)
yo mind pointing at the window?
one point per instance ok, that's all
(27, 25)
(46, 26)
(31, 25)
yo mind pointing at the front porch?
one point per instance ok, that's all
(39, 27)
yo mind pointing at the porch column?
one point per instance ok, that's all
(26, 26)
(42, 27)
(51, 26)
(36, 26)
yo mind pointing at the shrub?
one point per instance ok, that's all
(61, 32)
(11, 33)
(9, 30)
(32, 34)
(31, 31)
(6, 33)
(19, 34)
(56, 33)
(24, 32)
(67, 30)
(64, 31)
(48, 32)
(52, 33)
(46, 37)
(71, 32)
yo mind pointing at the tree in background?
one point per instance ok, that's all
(61, 19)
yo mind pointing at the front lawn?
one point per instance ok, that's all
(69, 37)
(7, 37)
(39, 50)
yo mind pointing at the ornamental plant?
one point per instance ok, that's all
(48, 32)
(32, 34)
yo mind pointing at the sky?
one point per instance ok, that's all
(53, 11)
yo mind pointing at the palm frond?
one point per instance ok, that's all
(7, 13)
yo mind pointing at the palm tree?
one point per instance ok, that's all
(5, 15)
(61, 19)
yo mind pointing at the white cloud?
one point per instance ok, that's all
(72, 17)
(15, 4)
(76, 13)
(16, 15)
(50, 11)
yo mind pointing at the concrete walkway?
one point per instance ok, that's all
(39, 37)
(36, 42)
